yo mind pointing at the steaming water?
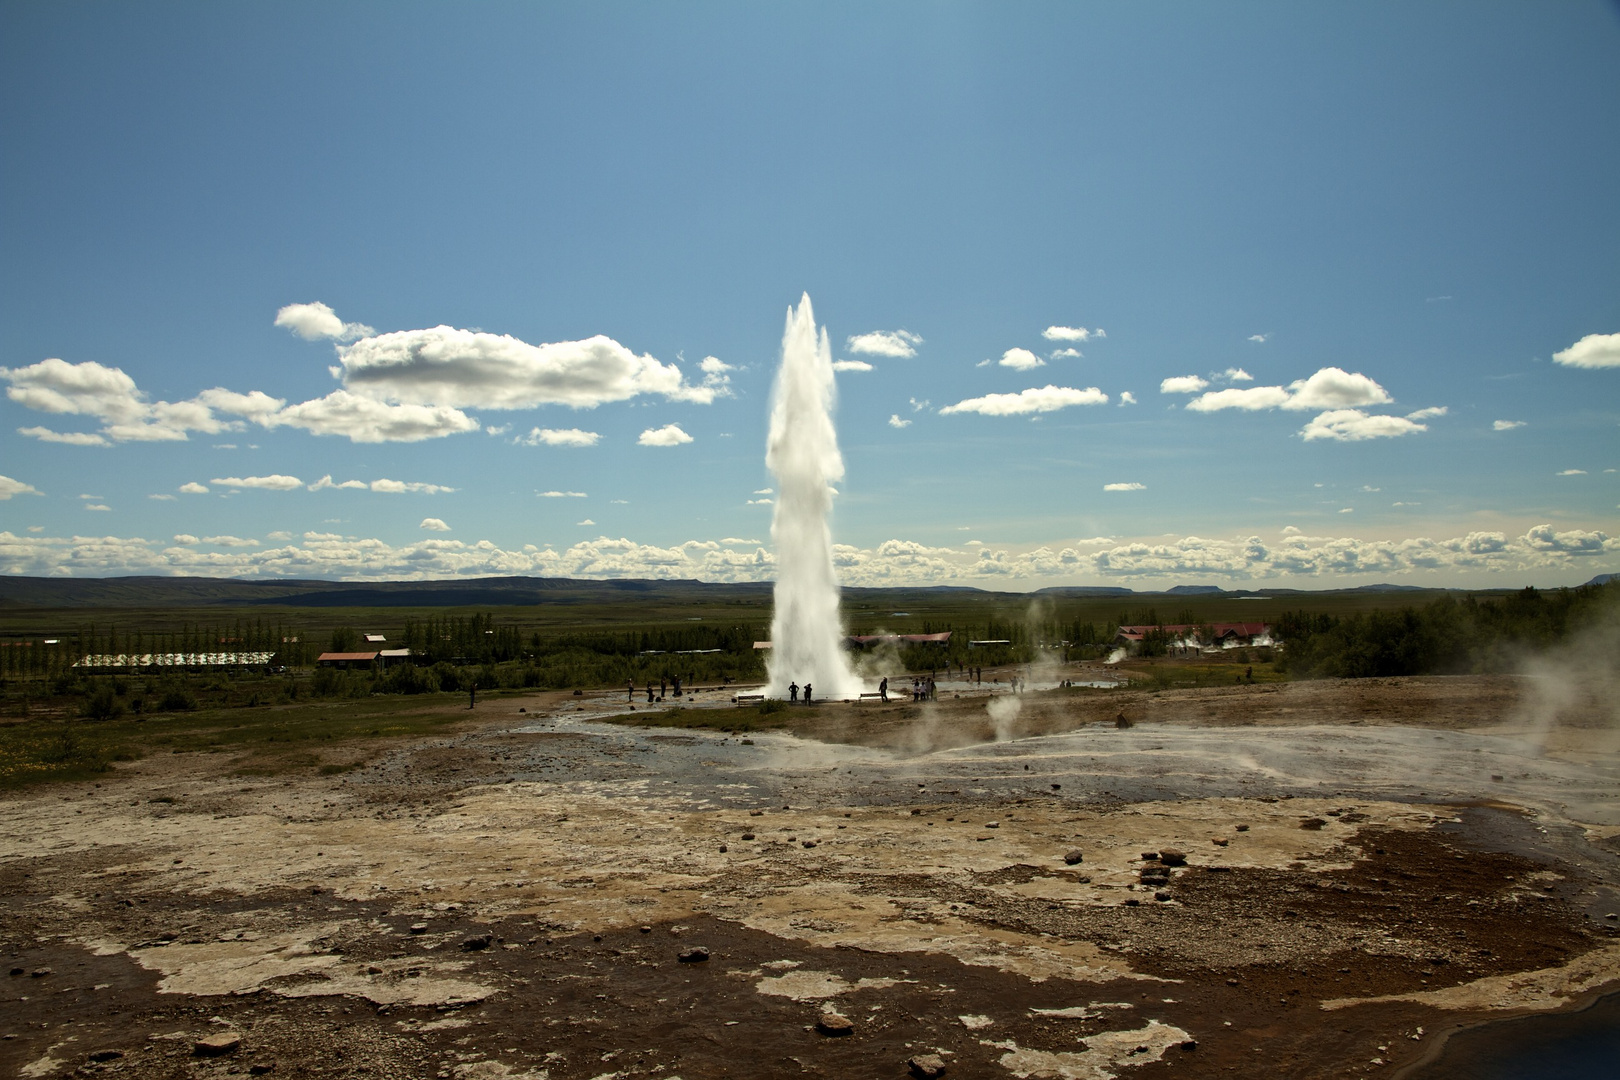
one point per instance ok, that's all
(806, 631)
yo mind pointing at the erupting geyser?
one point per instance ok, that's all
(806, 633)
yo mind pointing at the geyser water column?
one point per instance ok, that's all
(807, 636)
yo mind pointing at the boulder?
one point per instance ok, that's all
(699, 955)
(1173, 857)
(926, 1066)
(835, 1025)
(217, 1045)
(1074, 857)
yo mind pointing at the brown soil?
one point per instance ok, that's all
(178, 902)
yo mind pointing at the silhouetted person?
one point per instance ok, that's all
(807, 693)
(793, 692)
(472, 695)
(649, 694)
(630, 691)
(883, 689)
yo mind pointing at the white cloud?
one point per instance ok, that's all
(560, 437)
(766, 491)
(1348, 510)
(851, 365)
(668, 435)
(367, 420)
(1573, 472)
(1066, 354)
(92, 498)
(1125, 487)
(496, 430)
(1329, 388)
(896, 343)
(1127, 398)
(1042, 400)
(10, 487)
(315, 321)
(68, 438)
(1183, 384)
(274, 482)
(1370, 488)
(561, 494)
(230, 541)
(1020, 360)
(434, 525)
(918, 406)
(279, 535)
(713, 365)
(99, 506)
(193, 488)
(896, 422)
(410, 487)
(1070, 333)
(1506, 425)
(1353, 425)
(587, 521)
(1236, 374)
(1428, 414)
(162, 498)
(1592, 351)
(326, 483)
(737, 540)
(761, 502)
(1259, 338)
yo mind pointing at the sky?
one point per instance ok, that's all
(1245, 294)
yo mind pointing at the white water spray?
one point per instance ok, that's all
(806, 633)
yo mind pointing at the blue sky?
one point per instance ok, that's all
(1321, 223)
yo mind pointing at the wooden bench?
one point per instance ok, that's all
(747, 699)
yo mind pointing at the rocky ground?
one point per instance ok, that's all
(1305, 880)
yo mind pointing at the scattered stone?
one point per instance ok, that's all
(646, 929)
(834, 1025)
(1149, 856)
(261, 1068)
(808, 843)
(723, 849)
(1239, 828)
(16, 971)
(992, 824)
(1057, 787)
(1312, 823)
(1161, 896)
(1073, 857)
(419, 928)
(926, 1066)
(755, 813)
(40, 973)
(106, 1055)
(1133, 902)
(1122, 721)
(217, 1045)
(699, 955)
(1173, 857)
(1231, 982)
(747, 836)
(481, 941)
(1189, 1044)
(1219, 841)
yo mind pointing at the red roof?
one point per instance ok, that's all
(345, 656)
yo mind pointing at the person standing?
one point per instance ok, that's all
(793, 693)
(883, 690)
(807, 693)
(630, 690)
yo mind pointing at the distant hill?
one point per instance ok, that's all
(1603, 579)
(1194, 590)
(1085, 590)
(1389, 588)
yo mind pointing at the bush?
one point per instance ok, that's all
(177, 699)
(103, 704)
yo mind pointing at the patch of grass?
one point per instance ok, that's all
(755, 718)
(267, 740)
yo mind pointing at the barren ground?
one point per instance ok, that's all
(1368, 866)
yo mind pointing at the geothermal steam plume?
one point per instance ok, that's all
(806, 632)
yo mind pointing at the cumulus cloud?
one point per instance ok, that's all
(1329, 388)
(1127, 398)
(1592, 351)
(10, 487)
(193, 488)
(1506, 425)
(67, 438)
(1353, 425)
(560, 437)
(918, 406)
(1066, 354)
(1236, 374)
(162, 498)
(411, 487)
(274, 482)
(1573, 472)
(434, 525)
(1070, 333)
(1183, 384)
(587, 521)
(851, 365)
(230, 541)
(99, 506)
(326, 482)
(668, 435)
(896, 422)
(901, 344)
(368, 420)
(894, 562)
(313, 322)
(766, 491)
(110, 396)
(1258, 338)
(1020, 360)
(1034, 400)
(561, 494)
(1428, 414)
(1125, 487)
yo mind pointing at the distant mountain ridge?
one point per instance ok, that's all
(155, 591)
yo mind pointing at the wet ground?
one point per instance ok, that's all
(1174, 898)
